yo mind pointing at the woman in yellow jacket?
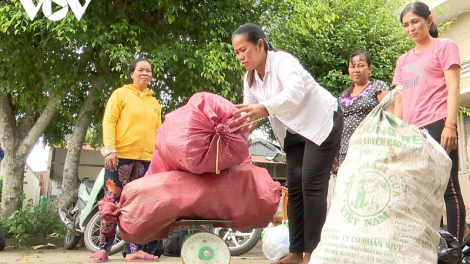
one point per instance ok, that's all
(130, 121)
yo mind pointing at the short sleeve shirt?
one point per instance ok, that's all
(422, 77)
(355, 109)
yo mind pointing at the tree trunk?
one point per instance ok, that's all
(12, 189)
(70, 181)
(17, 142)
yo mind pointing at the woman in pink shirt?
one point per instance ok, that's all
(430, 77)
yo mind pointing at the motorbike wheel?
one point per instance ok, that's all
(70, 240)
(2, 239)
(238, 242)
(92, 236)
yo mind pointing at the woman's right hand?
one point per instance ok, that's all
(111, 162)
(449, 140)
(334, 167)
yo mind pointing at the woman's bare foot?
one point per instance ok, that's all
(141, 255)
(306, 258)
(292, 258)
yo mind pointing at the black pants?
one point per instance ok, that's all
(308, 172)
(455, 208)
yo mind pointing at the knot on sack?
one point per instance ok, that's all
(222, 129)
(108, 210)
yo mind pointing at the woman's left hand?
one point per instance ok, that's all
(449, 139)
(252, 112)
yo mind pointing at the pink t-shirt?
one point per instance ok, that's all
(422, 78)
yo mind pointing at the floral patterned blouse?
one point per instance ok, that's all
(355, 109)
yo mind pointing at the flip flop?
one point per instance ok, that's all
(101, 257)
(278, 262)
(147, 258)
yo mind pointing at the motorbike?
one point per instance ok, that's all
(83, 220)
(238, 242)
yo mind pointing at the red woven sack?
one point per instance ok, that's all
(201, 136)
(149, 206)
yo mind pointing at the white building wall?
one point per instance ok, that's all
(56, 185)
(31, 187)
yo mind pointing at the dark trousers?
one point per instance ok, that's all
(308, 172)
(455, 208)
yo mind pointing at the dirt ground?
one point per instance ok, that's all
(79, 256)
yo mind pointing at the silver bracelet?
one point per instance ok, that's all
(105, 151)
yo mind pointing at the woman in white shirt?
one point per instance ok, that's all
(307, 123)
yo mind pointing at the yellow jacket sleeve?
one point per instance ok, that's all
(111, 116)
(159, 122)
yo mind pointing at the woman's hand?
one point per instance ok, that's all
(252, 112)
(111, 161)
(449, 139)
(334, 167)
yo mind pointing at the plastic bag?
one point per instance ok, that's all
(449, 251)
(331, 191)
(276, 242)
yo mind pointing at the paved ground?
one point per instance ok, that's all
(79, 256)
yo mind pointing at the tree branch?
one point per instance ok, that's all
(8, 128)
(43, 121)
(26, 123)
(42, 70)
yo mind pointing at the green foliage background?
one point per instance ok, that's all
(324, 33)
(189, 43)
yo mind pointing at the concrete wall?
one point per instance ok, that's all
(31, 188)
(91, 163)
(56, 186)
(460, 34)
(464, 134)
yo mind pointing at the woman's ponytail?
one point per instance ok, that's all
(433, 30)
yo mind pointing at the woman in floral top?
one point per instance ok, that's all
(360, 98)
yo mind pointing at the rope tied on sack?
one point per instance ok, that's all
(109, 211)
(222, 130)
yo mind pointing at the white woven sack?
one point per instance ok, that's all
(389, 195)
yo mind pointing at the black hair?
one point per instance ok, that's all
(366, 57)
(134, 64)
(422, 10)
(253, 33)
(363, 54)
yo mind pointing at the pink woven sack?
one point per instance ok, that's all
(245, 194)
(201, 136)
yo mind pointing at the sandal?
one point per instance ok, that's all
(100, 257)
